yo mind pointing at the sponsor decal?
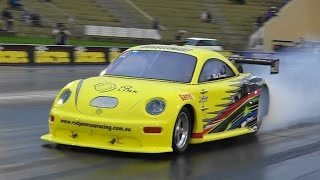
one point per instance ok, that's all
(115, 140)
(44, 54)
(85, 55)
(181, 49)
(127, 88)
(51, 57)
(105, 87)
(95, 126)
(185, 97)
(92, 57)
(98, 111)
(73, 134)
(14, 56)
(203, 99)
(217, 76)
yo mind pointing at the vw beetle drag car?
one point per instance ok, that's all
(160, 98)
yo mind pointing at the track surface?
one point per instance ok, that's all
(292, 153)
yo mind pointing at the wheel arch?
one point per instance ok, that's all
(192, 114)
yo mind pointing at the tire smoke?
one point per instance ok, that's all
(294, 92)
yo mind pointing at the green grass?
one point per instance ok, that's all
(73, 41)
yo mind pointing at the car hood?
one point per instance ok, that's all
(116, 95)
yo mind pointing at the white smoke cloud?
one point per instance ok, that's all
(294, 92)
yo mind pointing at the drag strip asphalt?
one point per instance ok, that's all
(292, 153)
(289, 153)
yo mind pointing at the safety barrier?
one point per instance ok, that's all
(19, 54)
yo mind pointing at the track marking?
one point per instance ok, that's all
(24, 128)
(28, 95)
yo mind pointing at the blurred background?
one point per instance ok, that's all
(236, 24)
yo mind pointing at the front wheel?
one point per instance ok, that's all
(181, 131)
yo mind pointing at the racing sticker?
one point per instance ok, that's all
(95, 126)
(14, 54)
(14, 57)
(105, 87)
(116, 140)
(185, 97)
(52, 54)
(89, 55)
(169, 48)
(127, 88)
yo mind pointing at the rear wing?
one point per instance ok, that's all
(274, 63)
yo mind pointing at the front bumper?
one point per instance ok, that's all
(109, 133)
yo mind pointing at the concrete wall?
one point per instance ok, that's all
(299, 18)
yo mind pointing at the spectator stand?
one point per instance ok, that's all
(108, 31)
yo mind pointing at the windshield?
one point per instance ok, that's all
(153, 65)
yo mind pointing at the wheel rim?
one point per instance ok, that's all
(181, 130)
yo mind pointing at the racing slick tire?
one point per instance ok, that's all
(263, 107)
(182, 131)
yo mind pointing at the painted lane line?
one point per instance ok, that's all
(23, 128)
(27, 95)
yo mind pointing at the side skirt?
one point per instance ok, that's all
(222, 135)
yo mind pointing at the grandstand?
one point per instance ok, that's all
(232, 23)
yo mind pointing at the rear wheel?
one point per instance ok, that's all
(181, 131)
(263, 107)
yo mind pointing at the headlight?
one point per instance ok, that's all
(64, 97)
(155, 107)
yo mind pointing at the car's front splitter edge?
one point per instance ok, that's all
(50, 138)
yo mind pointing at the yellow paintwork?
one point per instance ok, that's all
(14, 57)
(51, 57)
(89, 57)
(98, 127)
(222, 135)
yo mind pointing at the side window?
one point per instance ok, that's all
(208, 43)
(202, 43)
(215, 43)
(215, 69)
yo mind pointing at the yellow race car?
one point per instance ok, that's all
(160, 98)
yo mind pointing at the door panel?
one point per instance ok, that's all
(219, 95)
(229, 105)
(228, 100)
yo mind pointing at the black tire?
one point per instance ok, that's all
(182, 131)
(263, 107)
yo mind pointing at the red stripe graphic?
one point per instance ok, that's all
(229, 110)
